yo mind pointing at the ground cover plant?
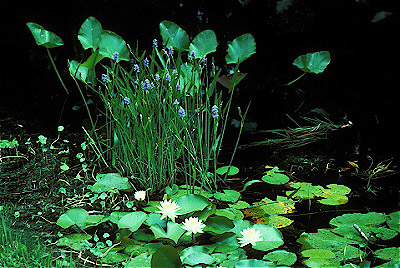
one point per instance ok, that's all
(168, 202)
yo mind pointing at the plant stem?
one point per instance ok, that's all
(288, 84)
(55, 69)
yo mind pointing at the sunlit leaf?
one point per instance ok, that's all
(166, 256)
(110, 43)
(89, 33)
(204, 43)
(44, 37)
(313, 62)
(240, 49)
(174, 36)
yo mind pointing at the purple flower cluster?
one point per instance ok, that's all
(136, 68)
(104, 78)
(181, 112)
(115, 56)
(214, 111)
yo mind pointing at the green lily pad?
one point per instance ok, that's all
(393, 221)
(166, 256)
(196, 255)
(272, 237)
(192, 202)
(275, 176)
(281, 257)
(73, 216)
(388, 254)
(109, 182)
(318, 253)
(44, 37)
(231, 170)
(174, 231)
(370, 218)
(254, 263)
(313, 62)
(218, 225)
(132, 221)
(74, 241)
(227, 196)
(113, 257)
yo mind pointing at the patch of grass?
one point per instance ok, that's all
(18, 250)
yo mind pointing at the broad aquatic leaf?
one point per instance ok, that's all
(240, 49)
(370, 218)
(281, 257)
(196, 255)
(230, 213)
(72, 216)
(93, 220)
(111, 181)
(231, 170)
(192, 202)
(132, 221)
(275, 176)
(393, 221)
(283, 5)
(272, 237)
(313, 62)
(110, 43)
(388, 254)
(174, 231)
(142, 260)
(74, 241)
(254, 263)
(228, 196)
(203, 44)
(78, 71)
(114, 257)
(89, 33)
(44, 37)
(174, 36)
(228, 82)
(218, 225)
(166, 256)
(318, 253)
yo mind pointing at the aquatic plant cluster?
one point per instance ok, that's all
(164, 125)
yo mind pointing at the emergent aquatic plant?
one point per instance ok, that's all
(165, 118)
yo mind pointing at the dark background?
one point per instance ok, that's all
(359, 84)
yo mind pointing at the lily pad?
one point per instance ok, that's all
(113, 257)
(218, 225)
(281, 257)
(227, 196)
(313, 62)
(132, 221)
(73, 216)
(74, 241)
(388, 254)
(231, 170)
(166, 256)
(192, 202)
(275, 176)
(109, 182)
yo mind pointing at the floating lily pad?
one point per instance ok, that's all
(109, 182)
(113, 257)
(74, 241)
(73, 216)
(394, 221)
(231, 170)
(228, 196)
(281, 257)
(388, 254)
(275, 176)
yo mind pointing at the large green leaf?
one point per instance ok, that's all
(73, 216)
(174, 36)
(111, 181)
(167, 257)
(89, 33)
(313, 62)
(254, 263)
(110, 43)
(204, 43)
(196, 255)
(272, 237)
(132, 221)
(174, 231)
(240, 49)
(275, 176)
(74, 241)
(218, 225)
(43, 37)
(192, 202)
(281, 257)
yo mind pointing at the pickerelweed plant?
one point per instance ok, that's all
(165, 118)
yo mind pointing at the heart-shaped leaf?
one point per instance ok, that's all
(132, 221)
(203, 44)
(240, 49)
(166, 256)
(313, 62)
(110, 43)
(89, 33)
(174, 231)
(72, 216)
(111, 181)
(43, 37)
(192, 202)
(174, 36)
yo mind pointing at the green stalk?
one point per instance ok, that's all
(55, 69)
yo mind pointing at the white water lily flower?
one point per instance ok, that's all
(140, 195)
(250, 236)
(193, 225)
(169, 209)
